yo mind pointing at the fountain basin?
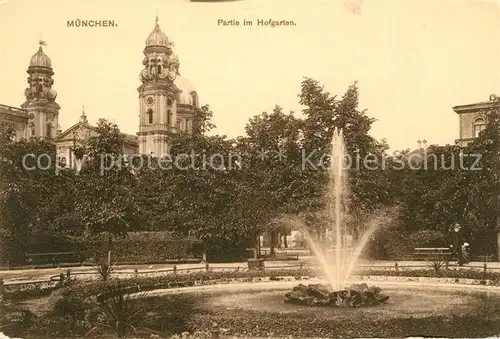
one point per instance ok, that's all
(413, 309)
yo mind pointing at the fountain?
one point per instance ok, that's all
(337, 266)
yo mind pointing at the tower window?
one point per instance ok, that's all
(479, 126)
(159, 69)
(32, 129)
(49, 130)
(150, 116)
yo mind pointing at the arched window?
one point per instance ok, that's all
(150, 116)
(169, 117)
(32, 129)
(49, 130)
(479, 126)
(159, 69)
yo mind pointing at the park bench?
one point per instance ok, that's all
(432, 253)
(55, 258)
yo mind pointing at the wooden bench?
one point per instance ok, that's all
(432, 253)
(55, 258)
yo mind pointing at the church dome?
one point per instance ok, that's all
(188, 95)
(40, 59)
(157, 37)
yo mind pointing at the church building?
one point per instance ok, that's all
(167, 104)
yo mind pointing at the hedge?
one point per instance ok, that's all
(141, 247)
(133, 247)
(401, 244)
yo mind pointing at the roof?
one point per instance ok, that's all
(129, 138)
(478, 106)
(13, 110)
(40, 59)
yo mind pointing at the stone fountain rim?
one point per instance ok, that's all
(470, 285)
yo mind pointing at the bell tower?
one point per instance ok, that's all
(40, 101)
(158, 95)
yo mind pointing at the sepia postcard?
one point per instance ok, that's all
(249, 169)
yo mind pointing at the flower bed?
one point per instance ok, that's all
(38, 289)
(73, 302)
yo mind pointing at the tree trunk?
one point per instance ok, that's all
(498, 239)
(256, 250)
(110, 244)
(498, 226)
(321, 237)
(273, 244)
(204, 258)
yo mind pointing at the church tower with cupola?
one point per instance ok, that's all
(40, 104)
(166, 100)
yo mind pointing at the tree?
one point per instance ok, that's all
(452, 184)
(368, 182)
(482, 212)
(202, 186)
(272, 165)
(106, 200)
(33, 195)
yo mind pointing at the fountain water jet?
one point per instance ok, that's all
(337, 269)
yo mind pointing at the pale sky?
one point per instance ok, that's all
(413, 60)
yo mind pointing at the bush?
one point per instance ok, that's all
(50, 243)
(228, 250)
(142, 247)
(135, 247)
(401, 244)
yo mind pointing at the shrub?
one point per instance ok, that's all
(142, 247)
(69, 305)
(123, 315)
(228, 250)
(401, 244)
(49, 243)
(135, 247)
(104, 270)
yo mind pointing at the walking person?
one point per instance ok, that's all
(456, 245)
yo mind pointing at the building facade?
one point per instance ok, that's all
(77, 134)
(17, 118)
(472, 119)
(167, 104)
(167, 100)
